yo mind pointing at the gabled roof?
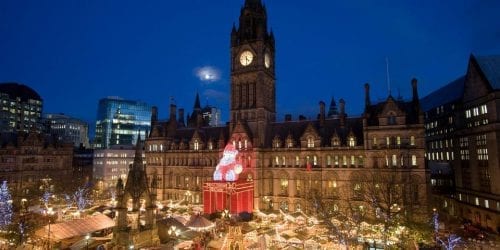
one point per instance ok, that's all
(451, 92)
(490, 66)
(331, 126)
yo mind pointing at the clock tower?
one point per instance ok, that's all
(253, 88)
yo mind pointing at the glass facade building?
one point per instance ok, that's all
(119, 120)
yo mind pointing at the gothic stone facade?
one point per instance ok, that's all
(30, 160)
(334, 154)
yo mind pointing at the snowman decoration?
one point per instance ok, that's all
(229, 166)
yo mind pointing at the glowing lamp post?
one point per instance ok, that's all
(87, 237)
(49, 213)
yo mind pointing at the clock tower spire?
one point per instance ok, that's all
(253, 89)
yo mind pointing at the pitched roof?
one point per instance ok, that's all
(490, 66)
(452, 91)
(78, 227)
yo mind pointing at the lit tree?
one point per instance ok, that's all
(46, 198)
(5, 206)
(450, 242)
(343, 221)
(68, 200)
(81, 198)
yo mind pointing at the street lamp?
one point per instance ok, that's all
(49, 212)
(131, 247)
(87, 237)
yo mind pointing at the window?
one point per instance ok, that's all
(352, 141)
(297, 160)
(196, 145)
(284, 185)
(374, 141)
(336, 160)
(315, 160)
(486, 204)
(276, 161)
(344, 160)
(394, 160)
(210, 146)
(477, 201)
(414, 160)
(310, 142)
(398, 140)
(328, 160)
(467, 114)
(481, 140)
(484, 109)
(246, 143)
(388, 141)
(391, 120)
(475, 111)
(283, 161)
(482, 154)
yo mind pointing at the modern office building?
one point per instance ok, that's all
(20, 108)
(112, 164)
(462, 136)
(343, 158)
(67, 129)
(119, 120)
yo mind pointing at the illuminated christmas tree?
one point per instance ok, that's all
(5, 206)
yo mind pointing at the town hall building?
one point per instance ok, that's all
(339, 156)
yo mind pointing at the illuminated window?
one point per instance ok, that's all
(374, 140)
(336, 160)
(210, 146)
(344, 160)
(388, 141)
(477, 201)
(414, 160)
(484, 109)
(310, 142)
(475, 111)
(297, 160)
(284, 185)
(315, 160)
(486, 204)
(276, 161)
(328, 160)
(398, 140)
(352, 142)
(467, 113)
(283, 161)
(246, 143)
(394, 160)
(196, 145)
(353, 160)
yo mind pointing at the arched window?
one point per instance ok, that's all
(196, 145)
(412, 140)
(414, 160)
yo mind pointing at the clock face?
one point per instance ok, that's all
(246, 58)
(267, 60)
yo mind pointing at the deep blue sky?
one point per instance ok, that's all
(75, 52)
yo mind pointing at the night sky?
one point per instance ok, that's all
(75, 52)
